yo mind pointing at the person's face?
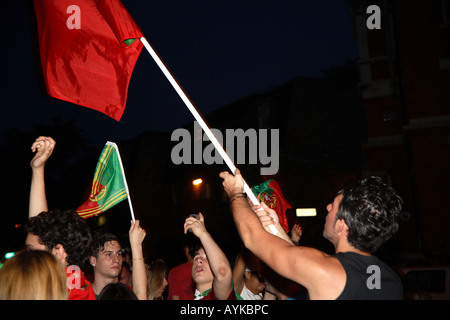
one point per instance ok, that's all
(109, 261)
(254, 282)
(201, 272)
(162, 288)
(125, 276)
(330, 220)
(32, 243)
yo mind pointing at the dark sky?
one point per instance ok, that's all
(219, 51)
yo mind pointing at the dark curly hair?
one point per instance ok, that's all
(63, 227)
(98, 242)
(370, 209)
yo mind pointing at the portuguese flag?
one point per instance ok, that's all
(88, 52)
(271, 194)
(108, 186)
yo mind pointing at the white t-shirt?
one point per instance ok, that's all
(246, 294)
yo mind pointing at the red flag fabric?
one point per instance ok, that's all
(79, 287)
(270, 192)
(84, 53)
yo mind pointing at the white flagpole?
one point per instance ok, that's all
(123, 175)
(200, 120)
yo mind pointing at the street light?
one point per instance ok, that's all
(306, 212)
(197, 182)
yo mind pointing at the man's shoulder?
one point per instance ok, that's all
(327, 277)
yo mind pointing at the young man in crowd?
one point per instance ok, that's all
(211, 270)
(107, 257)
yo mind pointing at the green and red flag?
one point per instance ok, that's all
(108, 186)
(87, 52)
(270, 193)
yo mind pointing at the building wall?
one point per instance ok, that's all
(405, 84)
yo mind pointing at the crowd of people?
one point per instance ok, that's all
(361, 218)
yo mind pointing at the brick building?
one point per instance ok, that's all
(405, 86)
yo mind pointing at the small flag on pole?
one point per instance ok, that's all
(87, 52)
(109, 186)
(270, 193)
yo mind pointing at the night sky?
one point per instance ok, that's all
(219, 52)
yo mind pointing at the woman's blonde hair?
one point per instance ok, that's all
(33, 275)
(156, 273)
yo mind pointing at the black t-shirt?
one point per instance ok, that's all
(368, 278)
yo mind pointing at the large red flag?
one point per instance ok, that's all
(87, 52)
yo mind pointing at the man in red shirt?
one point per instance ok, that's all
(181, 285)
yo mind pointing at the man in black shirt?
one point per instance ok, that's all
(362, 217)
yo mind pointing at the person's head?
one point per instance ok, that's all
(252, 273)
(254, 281)
(116, 291)
(156, 277)
(125, 275)
(369, 209)
(201, 271)
(33, 275)
(62, 232)
(106, 256)
(126, 253)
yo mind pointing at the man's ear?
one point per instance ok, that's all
(92, 261)
(340, 226)
(60, 253)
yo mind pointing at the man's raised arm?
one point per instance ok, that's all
(43, 146)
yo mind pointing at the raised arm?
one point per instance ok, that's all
(268, 217)
(139, 274)
(220, 266)
(43, 146)
(309, 267)
(238, 273)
